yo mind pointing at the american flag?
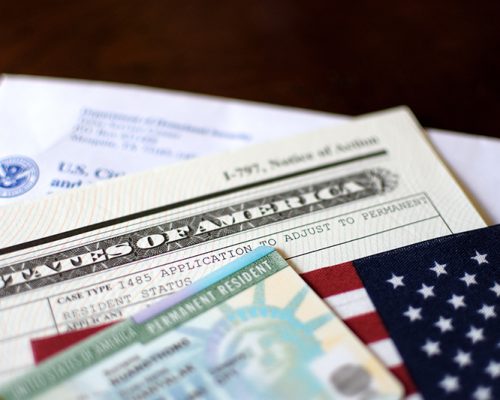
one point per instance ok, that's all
(430, 311)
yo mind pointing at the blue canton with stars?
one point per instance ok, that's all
(440, 302)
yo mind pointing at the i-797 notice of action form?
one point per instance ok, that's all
(101, 253)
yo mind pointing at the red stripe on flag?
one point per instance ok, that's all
(49, 346)
(333, 280)
(368, 327)
(404, 377)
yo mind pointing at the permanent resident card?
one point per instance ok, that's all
(251, 330)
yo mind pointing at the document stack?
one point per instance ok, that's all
(165, 245)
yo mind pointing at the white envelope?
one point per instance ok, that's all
(60, 134)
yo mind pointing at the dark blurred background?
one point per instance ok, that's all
(442, 58)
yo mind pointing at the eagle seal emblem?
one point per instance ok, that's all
(18, 174)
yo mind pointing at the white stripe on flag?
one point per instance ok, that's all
(386, 352)
(351, 304)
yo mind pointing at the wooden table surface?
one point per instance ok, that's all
(442, 58)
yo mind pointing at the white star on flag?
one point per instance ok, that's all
(431, 348)
(396, 281)
(444, 324)
(413, 313)
(496, 288)
(482, 393)
(450, 383)
(469, 279)
(426, 291)
(439, 269)
(457, 301)
(475, 334)
(493, 369)
(487, 311)
(462, 358)
(480, 258)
